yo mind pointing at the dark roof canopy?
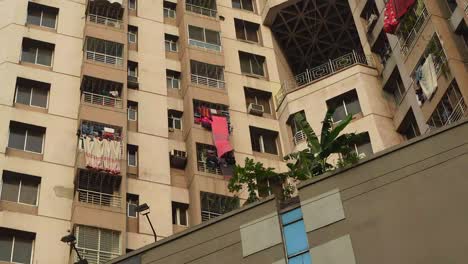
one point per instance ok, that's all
(311, 32)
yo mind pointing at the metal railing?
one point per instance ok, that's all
(322, 71)
(458, 112)
(104, 58)
(200, 10)
(111, 22)
(204, 45)
(169, 12)
(299, 137)
(203, 167)
(202, 80)
(101, 100)
(207, 215)
(95, 256)
(407, 42)
(98, 198)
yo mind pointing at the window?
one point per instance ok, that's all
(170, 42)
(253, 96)
(132, 4)
(180, 214)
(364, 148)
(409, 127)
(243, 4)
(132, 34)
(26, 137)
(174, 119)
(204, 38)
(295, 237)
(451, 108)
(211, 71)
(395, 86)
(344, 105)
(132, 154)
(172, 79)
(41, 15)
(132, 204)
(263, 140)
(246, 30)
(104, 51)
(37, 52)
(20, 188)
(32, 93)
(202, 7)
(252, 64)
(169, 9)
(98, 245)
(214, 205)
(16, 246)
(132, 111)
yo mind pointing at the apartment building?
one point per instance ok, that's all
(400, 206)
(87, 87)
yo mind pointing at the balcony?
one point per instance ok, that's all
(178, 159)
(101, 92)
(101, 199)
(322, 71)
(206, 81)
(104, 58)
(107, 21)
(201, 10)
(204, 45)
(102, 100)
(202, 166)
(408, 31)
(104, 51)
(450, 109)
(207, 215)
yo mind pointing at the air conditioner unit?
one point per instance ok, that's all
(255, 109)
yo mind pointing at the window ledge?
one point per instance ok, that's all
(266, 155)
(254, 76)
(31, 108)
(23, 154)
(38, 66)
(41, 27)
(18, 208)
(250, 42)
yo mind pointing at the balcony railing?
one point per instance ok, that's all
(322, 71)
(207, 215)
(203, 167)
(110, 22)
(97, 198)
(104, 58)
(102, 100)
(407, 42)
(299, 137)
(458, 112)
(202, 80)
(204, 45)
(201, 10)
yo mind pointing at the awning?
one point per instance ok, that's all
(219, 127)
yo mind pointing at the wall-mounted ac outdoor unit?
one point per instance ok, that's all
(255, 109)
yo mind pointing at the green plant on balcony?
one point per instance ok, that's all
(409, 20)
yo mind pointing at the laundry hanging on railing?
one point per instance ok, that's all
(401, 7)
(224, 149)
(426, 77)
(390, 20)
(102, 154)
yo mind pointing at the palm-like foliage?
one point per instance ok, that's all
(313, 160)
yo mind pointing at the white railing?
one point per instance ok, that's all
(207, 215)
(407, 43)
(104, 58)
(202, 80)
(204, 45)
(105, 21)
(203, 167)
(322, 71)
(102, 100)
(98, 198)
(96, 256)
(299, 137)
(169, 12)
(201, 10)
(458, 112)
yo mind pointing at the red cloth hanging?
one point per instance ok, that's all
(390, 20)
(401, 7)
(221, 135)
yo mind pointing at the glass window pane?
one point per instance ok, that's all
(257, 65)
(301, 259)
(339, 114)
(39, 97)
(132, 210)
(252, 34)
(34, 16)
(244, 63)
(23, 95)
(22, 250)
(183, 216)
(236, 4)
(196, 33)
(295, 237)
(247, 5)
(132, 158)
(28, 193)
(34, 141)
(169, 82)
(269, 144)
(6, 242)
(48, 19)
(177, 123)
(17, 138)
(28, 54)
(212, 37)
(291, 216)
(44, 57)
(175, 83)
(353, 106)
(88, 237)
(240, 33)
(10, 188)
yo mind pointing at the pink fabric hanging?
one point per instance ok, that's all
(390, 20)
(221, 135)
(401, 7)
